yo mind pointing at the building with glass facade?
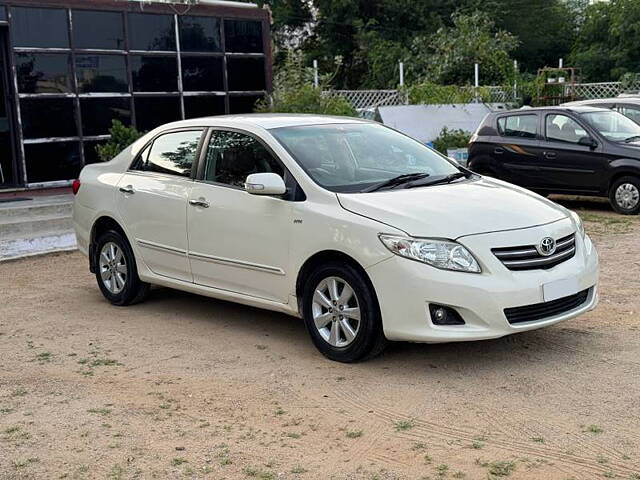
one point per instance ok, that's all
(70, 67)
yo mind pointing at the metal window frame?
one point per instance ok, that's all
(69, 6)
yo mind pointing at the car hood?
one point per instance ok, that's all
(455, 210)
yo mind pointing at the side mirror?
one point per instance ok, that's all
(265, 184)
(588, 142)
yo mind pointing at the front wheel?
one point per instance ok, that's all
(116, 270)
(624, 195)
(341, 313)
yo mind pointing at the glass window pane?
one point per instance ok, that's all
(152, 112)
(39, 27)
(154, 74)
(232, 156)
(202, 74)
(243, 104)
(564, 129)
(43, 73)
(200, 34)
(524, 126)
(246, 74)
(98, 113)
(48, 117)
(3, 14)
(195, 107)
(151, 32)
(93, 29)
(47, 162)
(174, 153)
(90, 153)
(243, 36)
(101, 73)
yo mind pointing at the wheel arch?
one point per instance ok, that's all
(101, 225)
(623, 170)
(324, 256)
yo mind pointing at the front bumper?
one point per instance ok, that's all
(405, 288)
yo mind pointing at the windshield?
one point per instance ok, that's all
(354, 157)
(613, 125)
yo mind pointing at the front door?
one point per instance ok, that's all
(8, 170)
(517, 150)
(565, 165)
(152, 198)
(239, 242)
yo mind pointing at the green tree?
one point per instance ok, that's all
(607, 43)
(121, 138)
(449, 55)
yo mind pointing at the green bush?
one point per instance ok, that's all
(451, 138)
(121, 138)
(293, 92)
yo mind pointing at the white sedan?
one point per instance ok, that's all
(363, 232)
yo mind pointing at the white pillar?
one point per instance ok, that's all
(476, 70)
(402, 74)
(316, 82)
(560, 63)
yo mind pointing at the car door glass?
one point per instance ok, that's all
(232, 156)
(564, 129)
(632, 113)
(173, 153)
(524, 126)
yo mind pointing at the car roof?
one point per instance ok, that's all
(596, 101)
(561, 108)
(264, 120)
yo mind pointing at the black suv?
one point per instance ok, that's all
(571, 150)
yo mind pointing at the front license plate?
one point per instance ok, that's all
(559, 289)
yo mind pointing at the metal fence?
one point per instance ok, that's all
(364, 100)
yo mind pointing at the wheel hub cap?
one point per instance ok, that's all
(113, 267)
(336, 311)
(627, 196)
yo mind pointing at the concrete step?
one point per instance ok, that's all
(24, 247)
(56, 205)
(37, 225)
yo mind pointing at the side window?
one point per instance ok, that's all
(563, 129)
(141, 160)
(232, 156)
(172, 153)
(524, 126)
(632, 113)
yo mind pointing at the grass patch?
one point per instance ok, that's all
(100, 411)
(17, 464)
(298, 469)
(19, 392)
(501, 469)
(293, 435)
(280, 411)
(257, 473)
(595, 429)
(537, 439)
(354, 434)
(44, 357)
(176, 462)
(404, 425)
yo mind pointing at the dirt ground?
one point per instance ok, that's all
(185, 386)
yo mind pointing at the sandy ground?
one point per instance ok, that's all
(184, 386)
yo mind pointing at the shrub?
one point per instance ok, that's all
(451, 138)
(121, 138)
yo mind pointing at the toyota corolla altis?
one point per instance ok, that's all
(363, 232)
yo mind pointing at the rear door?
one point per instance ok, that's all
(152, 199)
(517, 148)
(565, 165)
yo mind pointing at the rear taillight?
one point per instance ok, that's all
(75, 186)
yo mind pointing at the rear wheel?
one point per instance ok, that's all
(624, 195)
(341, 313)
(116, 270)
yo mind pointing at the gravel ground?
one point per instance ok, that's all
(185, 386)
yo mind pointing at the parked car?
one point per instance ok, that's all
(571, 150)
(365, 233)
(627, 105)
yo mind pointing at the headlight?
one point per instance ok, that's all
(578, 221)
(442, 254)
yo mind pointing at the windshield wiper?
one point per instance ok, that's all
(437, 181)
(395, 181)
(632, 138)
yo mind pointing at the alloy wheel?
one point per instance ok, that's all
(113, 267)
(627, 196)
(336, 312)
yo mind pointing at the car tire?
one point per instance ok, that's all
(624, 195)
(344, 327)
(116, 270)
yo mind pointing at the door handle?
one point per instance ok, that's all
(128, 189)
(201, 202)
(549, 154)
(498, 151)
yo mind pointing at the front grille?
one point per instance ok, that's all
(527, 257)
(540, 311)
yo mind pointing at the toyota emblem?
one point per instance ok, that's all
(547, 247)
